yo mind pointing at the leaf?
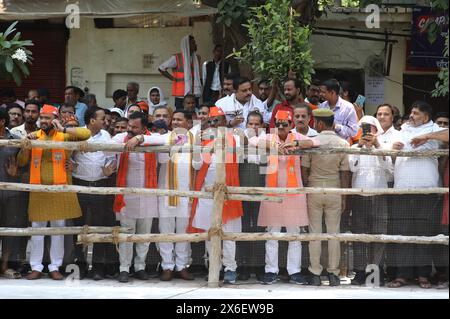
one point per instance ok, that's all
(6, 44)
(9, 64)
(17, 76)
(22, 68)
(10, 29)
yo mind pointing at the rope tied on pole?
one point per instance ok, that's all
(25, 144)
(215, 231)
(115, 237)
(84, 146)
(220, 187)
(84, 241)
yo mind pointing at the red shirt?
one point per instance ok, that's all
(285, 106)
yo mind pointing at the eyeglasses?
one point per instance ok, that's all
(15, 114)
(214, 121)
(281, 124)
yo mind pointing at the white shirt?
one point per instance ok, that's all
(386, 139)
(417, 172)
(19, 131)
(311, 132)
(183, 178)
(368, 170)
(89, 164)
(215, 85)
(252, 155)
(230, 106)
(203, 215)
(138, 206)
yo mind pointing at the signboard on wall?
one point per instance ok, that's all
(374, 90)
(428, 31)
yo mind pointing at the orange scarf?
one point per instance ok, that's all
(272, 178)
(151, 175)
(232, 209)
(58, 160)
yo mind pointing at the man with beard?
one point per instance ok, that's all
(413, 214)
(136, 211)
(239, 104)
(48, 167)
(31, 116)
(293, 95)
(267, 96)
(227, 88)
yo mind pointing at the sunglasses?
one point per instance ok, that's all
(281, 124)
(214, 121)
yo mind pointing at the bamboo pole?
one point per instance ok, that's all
(365, 238)
(109, 147)
(334, 191)
(126, 191)
(141, 238)
(215, 262)
(106, 147)
(377, 152)
(50, 231)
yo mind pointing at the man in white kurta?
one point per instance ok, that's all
(174, 211)
(139, 210)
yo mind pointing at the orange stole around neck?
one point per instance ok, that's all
(151, 175)
(232, 209)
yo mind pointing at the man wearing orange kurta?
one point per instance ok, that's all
(48, 167)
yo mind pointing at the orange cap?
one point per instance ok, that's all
(215, 111)
(143, 105)
(49, 109)
(283, 115)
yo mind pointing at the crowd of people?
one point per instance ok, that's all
(299, 118)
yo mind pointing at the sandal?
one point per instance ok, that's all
(424, 283)
(397, 283)
(11, 274)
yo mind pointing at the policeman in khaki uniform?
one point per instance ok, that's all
(332, 171)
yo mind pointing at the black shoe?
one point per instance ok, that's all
(111, 271)
(123, 277)
(98, 274)
(359, 279)
(334, 280)
(141, 275)
(314, 280)
(243, 273)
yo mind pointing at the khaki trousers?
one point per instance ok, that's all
(328, 206)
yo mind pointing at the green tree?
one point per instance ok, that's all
(278, 43)
(14, 56)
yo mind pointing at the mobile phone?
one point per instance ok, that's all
(366, 129)
(360, 100)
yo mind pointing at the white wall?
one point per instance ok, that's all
(106, 59)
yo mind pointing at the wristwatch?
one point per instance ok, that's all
(297, 143)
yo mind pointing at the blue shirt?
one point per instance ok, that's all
(80, 109)
(345, 118)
